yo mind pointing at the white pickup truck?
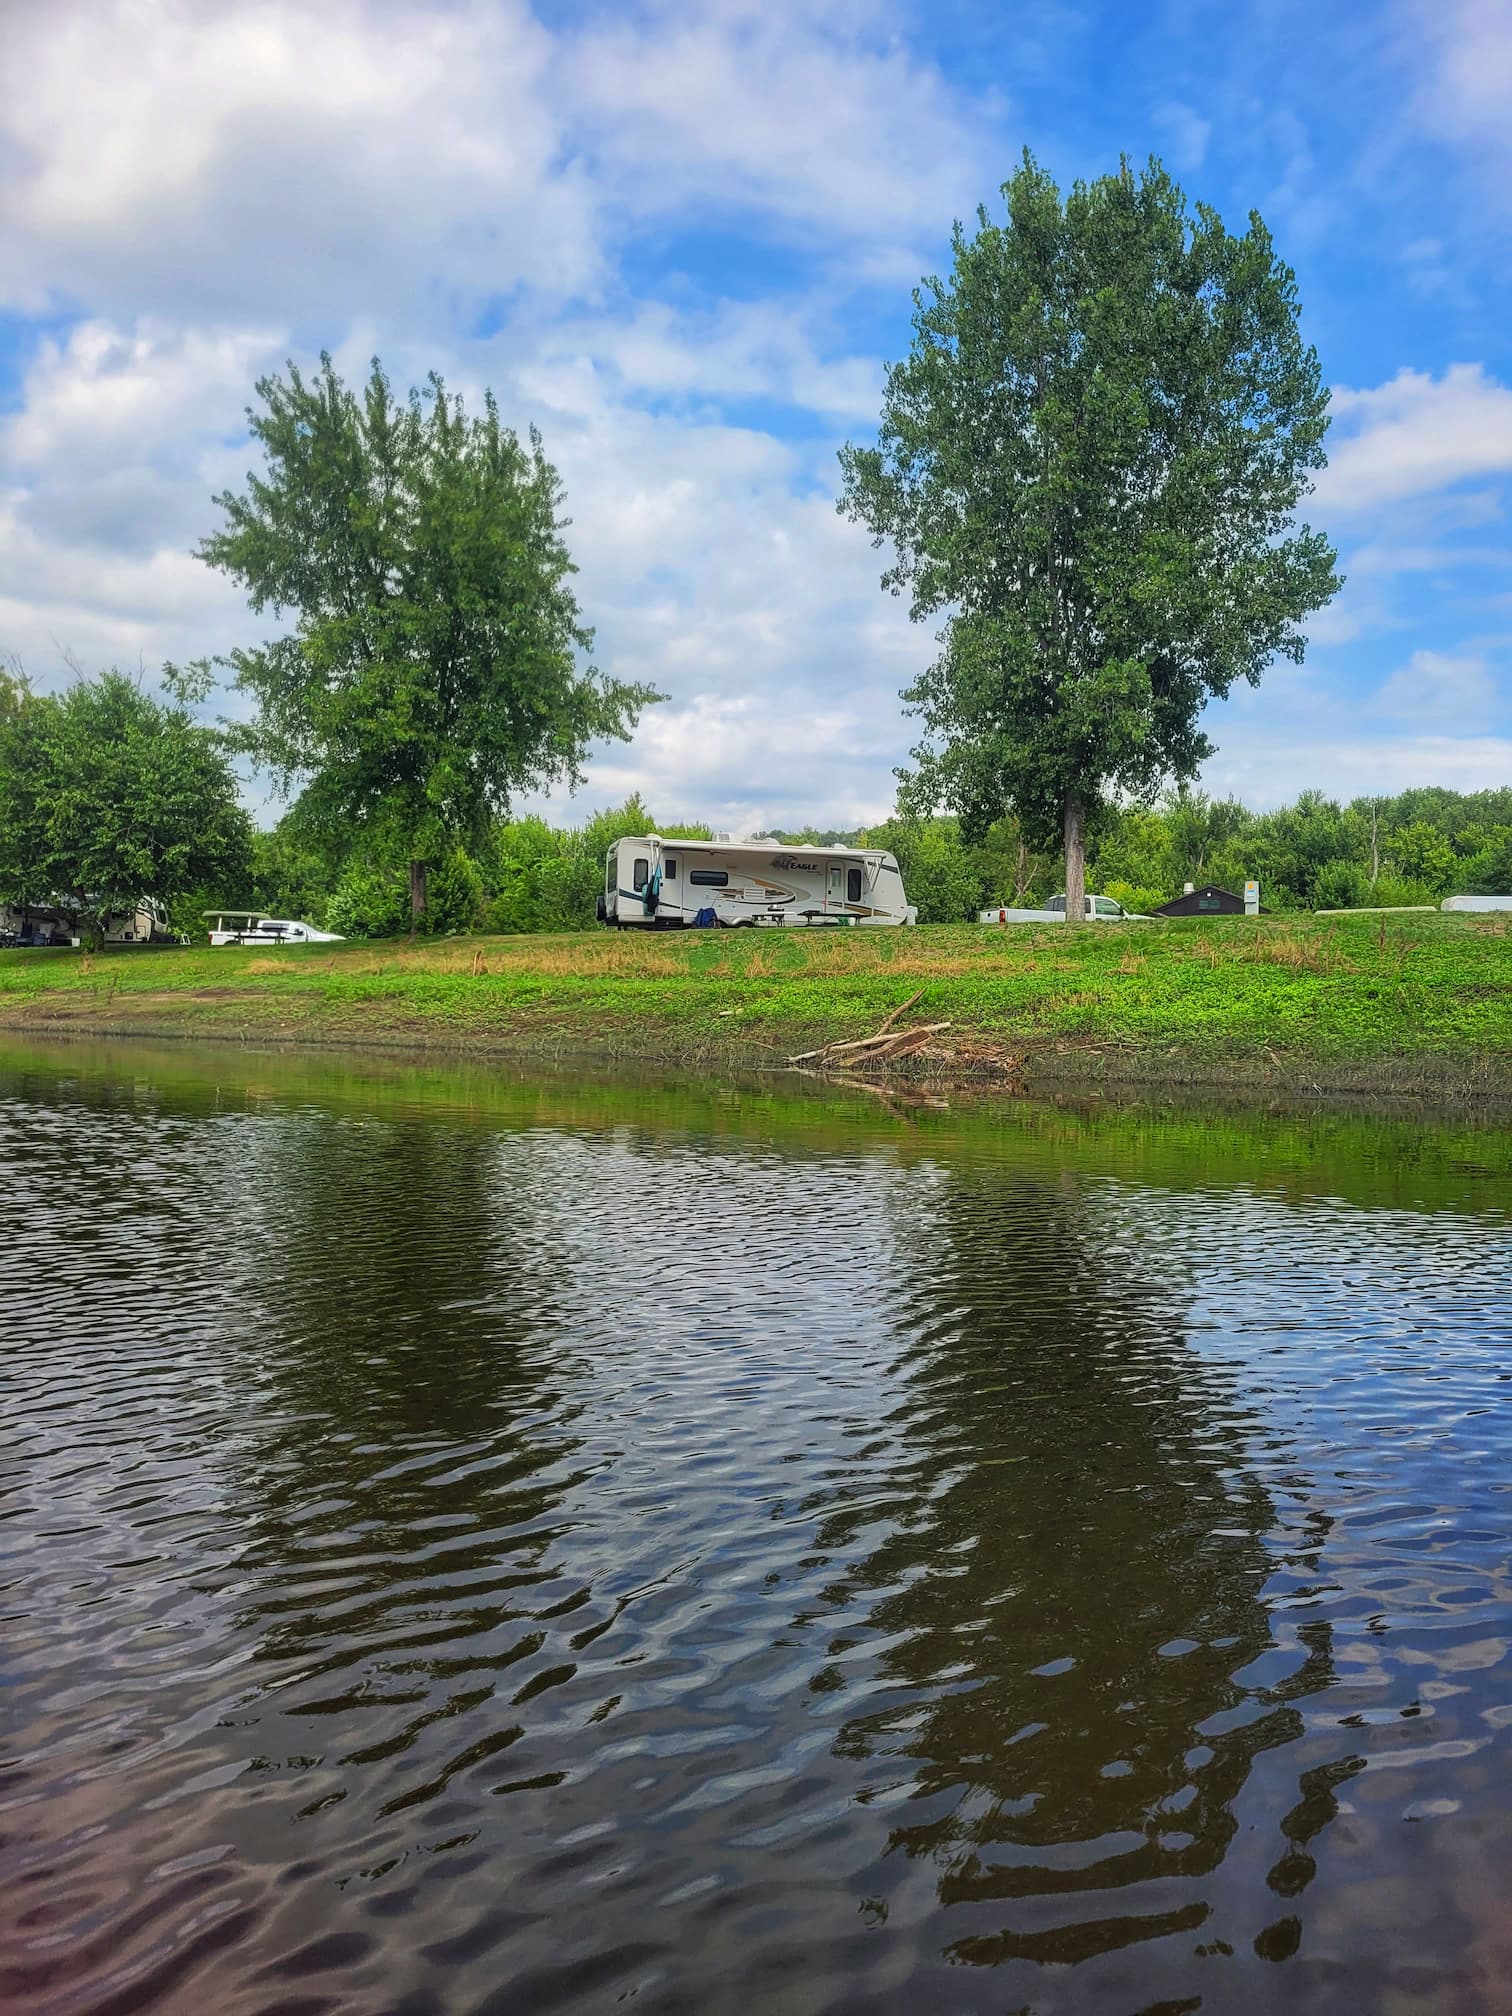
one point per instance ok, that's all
(1100, 910)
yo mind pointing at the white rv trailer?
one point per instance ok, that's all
(58, 924)
(670, 883)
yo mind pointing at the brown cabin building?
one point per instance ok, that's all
(1208, 901)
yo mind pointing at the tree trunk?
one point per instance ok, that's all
(1076, 861)
(1375, 845)
(419, 881)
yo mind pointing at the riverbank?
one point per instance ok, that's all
(1413, 1004)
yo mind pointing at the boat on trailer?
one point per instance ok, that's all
(254, 927)
(668, 884)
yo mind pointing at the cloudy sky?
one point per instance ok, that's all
(680, 238)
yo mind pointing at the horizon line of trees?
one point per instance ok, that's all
(1417, 846)
(110, 794)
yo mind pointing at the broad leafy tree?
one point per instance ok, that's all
(24, 716)
(1089, 462)
(109, 795)
(436, 661)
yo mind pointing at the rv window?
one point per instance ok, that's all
(709, 878)
(669, 871)
(609, 862)
(642, 874)
(853, 885)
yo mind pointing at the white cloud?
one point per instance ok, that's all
(399, 158)
(1464, 48)
(814, 115)
(1440, 688)
(1271, 769)
(1383, 560)
(110, 461)
(377, 173)
(218, 155)
(1187, 134)
(734, 762)
(1414, 435)
(732, 351)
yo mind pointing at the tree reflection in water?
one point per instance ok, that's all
(1068, 1583)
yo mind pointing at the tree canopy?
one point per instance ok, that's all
(1089, 460)
(436, 663)
(109, 796)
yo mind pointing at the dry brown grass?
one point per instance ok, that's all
(826, 955)
(1299, 953)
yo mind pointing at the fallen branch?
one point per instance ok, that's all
(901, 1011)
(860, 1043)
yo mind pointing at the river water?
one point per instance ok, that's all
(471, 1543)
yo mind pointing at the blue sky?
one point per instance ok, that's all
(681, 240)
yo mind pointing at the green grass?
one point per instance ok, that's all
(1194, 999)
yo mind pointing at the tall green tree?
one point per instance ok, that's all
(24, 717)
(436, 661)
(1198, 827)
(1090, 460)
(107, 796)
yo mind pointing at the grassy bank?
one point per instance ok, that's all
(1417, 1003)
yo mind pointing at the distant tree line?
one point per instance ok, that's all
(110, 793)
(529, 876)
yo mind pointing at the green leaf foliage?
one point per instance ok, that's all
(436, 660)
(107, 796)
(1089, 462)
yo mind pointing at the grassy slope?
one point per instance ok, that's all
(1190, 998)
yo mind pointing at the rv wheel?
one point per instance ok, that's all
(601, 909)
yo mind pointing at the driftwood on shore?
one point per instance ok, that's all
(884, 1045)
(970, 1053)
(873, 1047)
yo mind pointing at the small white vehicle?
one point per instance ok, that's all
(1476, 903)
(250, 927)
(1099, 910)
(669, 884)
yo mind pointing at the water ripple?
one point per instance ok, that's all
(469, 1567)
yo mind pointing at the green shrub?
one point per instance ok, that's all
(370, 902)
(1397, 890)
(1133, 897)
(1341, 885)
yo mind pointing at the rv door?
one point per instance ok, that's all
(635, 869)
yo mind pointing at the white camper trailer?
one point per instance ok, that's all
(670, 883)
